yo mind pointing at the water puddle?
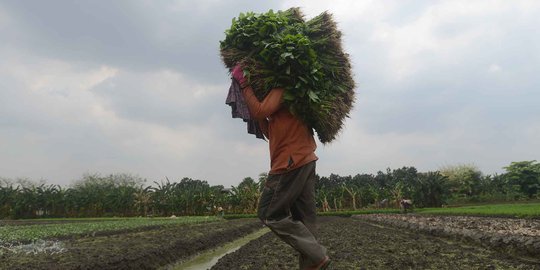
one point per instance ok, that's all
(207, 259)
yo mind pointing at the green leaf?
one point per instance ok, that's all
(288, 96)
(286, 54)
(313, 96)
(262, 31)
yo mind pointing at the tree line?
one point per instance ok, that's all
(127, 195)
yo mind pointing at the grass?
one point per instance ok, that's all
(359, 212)
(12, 233)
(237, 216)
(79, 219)
(519, 210)
(345, 213)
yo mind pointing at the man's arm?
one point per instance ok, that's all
(270, 104)
(258, 110)
(263, 124)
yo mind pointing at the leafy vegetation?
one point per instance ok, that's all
(122, 195)
(383, 190)
(10, 233)
(524, 177)
(281, 50)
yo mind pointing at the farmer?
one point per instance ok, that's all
(405, 205)
(383, 203)
(287, 204)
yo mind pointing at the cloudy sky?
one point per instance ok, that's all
(138, 87)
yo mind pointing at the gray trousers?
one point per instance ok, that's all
(287, 207)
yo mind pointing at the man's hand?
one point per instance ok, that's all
(238, 74)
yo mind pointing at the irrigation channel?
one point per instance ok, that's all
(209, 258)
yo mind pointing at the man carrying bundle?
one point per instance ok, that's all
(287, 205)
(298, 80)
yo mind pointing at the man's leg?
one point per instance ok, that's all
(304, 209)
(279, 195)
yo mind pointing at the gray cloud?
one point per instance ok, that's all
(484, 62)
(134, 86)
(131, 34)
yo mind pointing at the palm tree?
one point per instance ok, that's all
(142, 199)
(397, 192)
(8, 197)
(433, 189)
(353, 191)
(162, 197)
(245, 197)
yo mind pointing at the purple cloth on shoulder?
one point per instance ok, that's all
(239, 109)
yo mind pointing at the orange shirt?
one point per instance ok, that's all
(291, 142)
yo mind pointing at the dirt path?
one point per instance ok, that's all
(360, 244)
(147, 249)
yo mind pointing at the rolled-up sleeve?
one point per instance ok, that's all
(262, 109)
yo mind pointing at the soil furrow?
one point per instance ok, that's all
(357, 244)
(135, 250)
(520, 237)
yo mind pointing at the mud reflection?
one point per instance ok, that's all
(207, 259)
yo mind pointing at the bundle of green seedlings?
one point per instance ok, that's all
(282, 50)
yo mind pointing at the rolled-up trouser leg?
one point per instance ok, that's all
(296, 234)
(281, 194)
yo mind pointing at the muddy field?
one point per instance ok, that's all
(361, 242)
(520, 237)
(147, 249)
(366, 244)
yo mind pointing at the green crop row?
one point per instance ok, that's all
(358, 212)
(518, 210)
(331, 213)
(521, 210)
(11, 233)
